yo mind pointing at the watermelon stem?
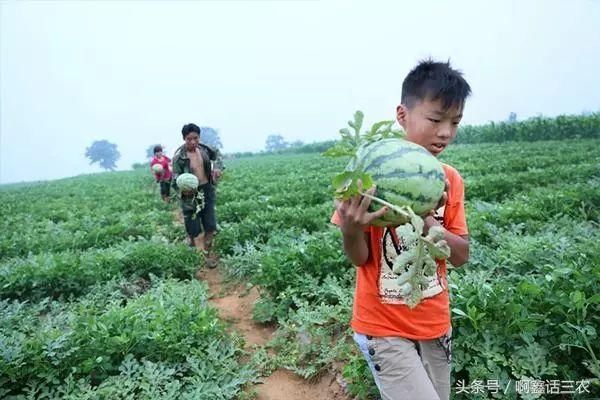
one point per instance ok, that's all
(397, 209)
(418, 277)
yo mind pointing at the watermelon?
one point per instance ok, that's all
(187, 182)
(157, 168)
(405, 174)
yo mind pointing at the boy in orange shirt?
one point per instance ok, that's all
(408, 350)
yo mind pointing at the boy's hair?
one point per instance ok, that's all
(189, 128)
(158, 148)
(431, 80)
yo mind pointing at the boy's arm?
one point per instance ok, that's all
(356, 247)
(455, 231)
(218, 160)
(218, 167)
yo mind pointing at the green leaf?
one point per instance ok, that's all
(459, 312)
(595, 299)
(339, 150)
(346, 184)
(341, 181)
(366, 180)
(345, 132)
(380, 127)
(577, 297)
(351, 142)
(358, 119)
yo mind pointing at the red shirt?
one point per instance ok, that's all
(165, 175)
(379, 309)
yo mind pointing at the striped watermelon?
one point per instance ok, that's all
(405, 174)
(157, 168)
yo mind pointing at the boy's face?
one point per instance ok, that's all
(158, 154)
(191, 141)
(429, 125)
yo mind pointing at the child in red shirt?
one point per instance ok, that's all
(163, 173)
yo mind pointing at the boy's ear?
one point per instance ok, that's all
(401, 112)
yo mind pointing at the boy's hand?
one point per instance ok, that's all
(188, 192)
(354, 212)
(217, 173)
(429, 219)
(444, 198)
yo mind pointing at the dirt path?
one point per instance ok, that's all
(235, 306)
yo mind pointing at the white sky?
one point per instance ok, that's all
(133, 73)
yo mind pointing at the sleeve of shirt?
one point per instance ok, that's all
(177, 170)
(455, 219)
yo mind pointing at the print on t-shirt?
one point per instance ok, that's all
(391, 247)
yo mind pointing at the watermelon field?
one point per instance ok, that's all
(98, 298)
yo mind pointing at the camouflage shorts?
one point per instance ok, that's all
(203, 220)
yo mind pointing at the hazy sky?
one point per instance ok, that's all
(133, 73)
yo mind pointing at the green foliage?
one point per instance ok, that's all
(351, 141)
(117, 341)
(90, 307)
(314, 333)
(533, 129)
(359, 377)
(82, 213)
(72, 273)
(289, 266)
(295, 148)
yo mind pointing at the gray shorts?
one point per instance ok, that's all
(408, 369)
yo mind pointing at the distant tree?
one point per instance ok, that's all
(296, 143)
(150, 150)
(275, 142)
(104, 153)
(512, 117)
(210, 137)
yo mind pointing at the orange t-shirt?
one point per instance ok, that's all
(379, 309)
